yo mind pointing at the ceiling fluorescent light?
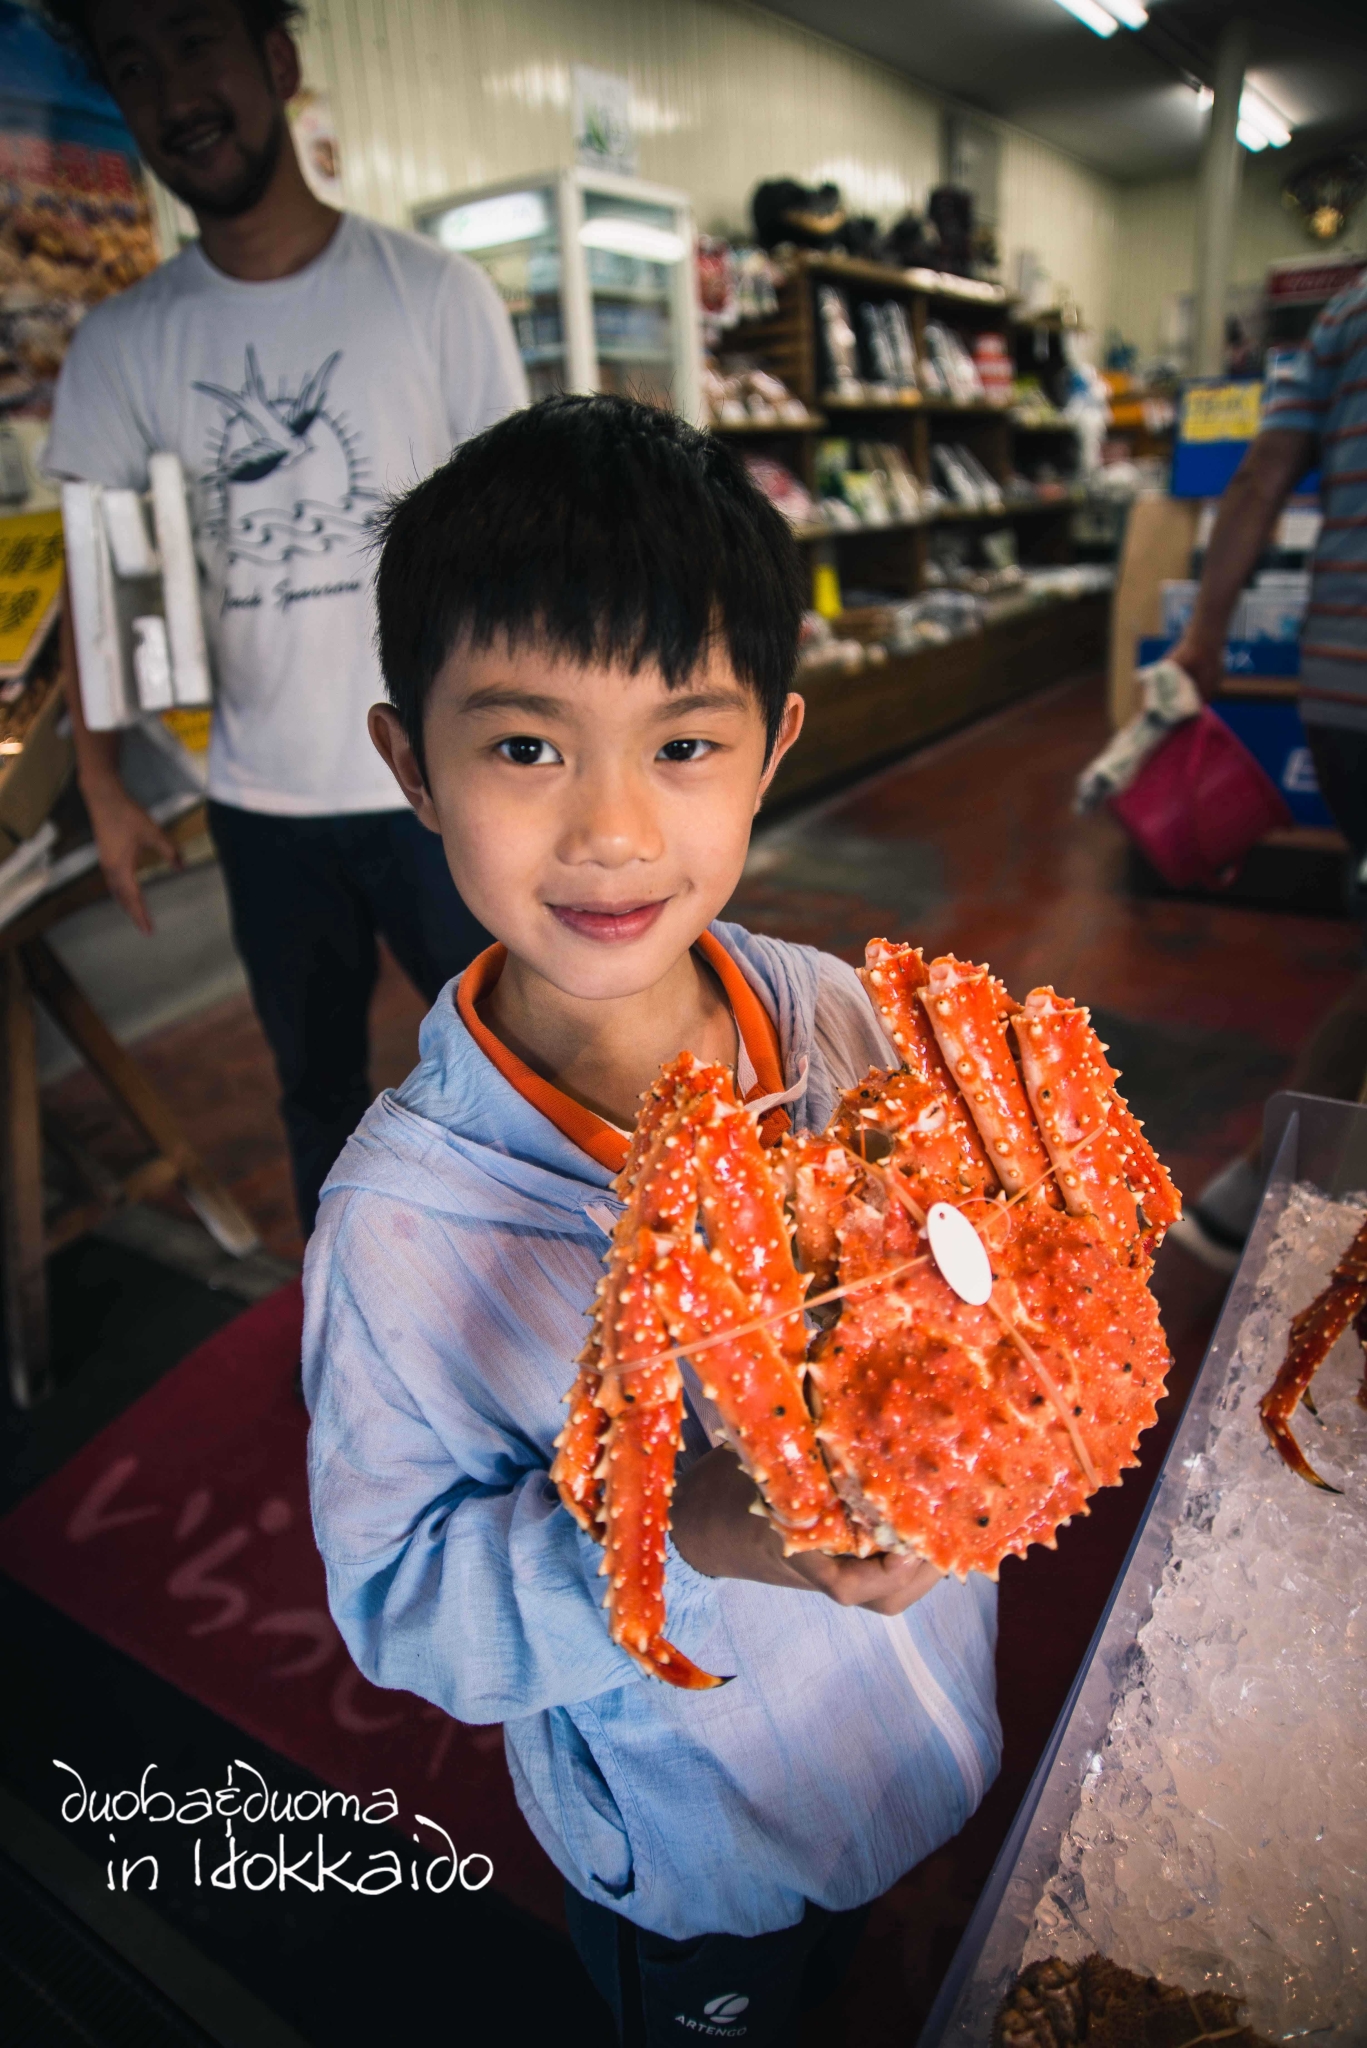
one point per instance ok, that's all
(1128, 13)
(1091, 16)
(1251, 137)
(1261, 114)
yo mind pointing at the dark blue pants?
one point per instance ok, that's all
(309, 896)
(719, 1987)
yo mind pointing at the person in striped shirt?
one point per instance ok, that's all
(1317, 412)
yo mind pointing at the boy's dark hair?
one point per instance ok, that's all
(67, 19)
(606, 530)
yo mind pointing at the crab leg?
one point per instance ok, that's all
(1314, 1333)
(579, 1445)
(968, 1009)
(747, 1230)
(1106, 1166)
(575, 1468)
(645, 1410)
(757, 1392)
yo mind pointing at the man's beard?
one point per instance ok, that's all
(249, 188)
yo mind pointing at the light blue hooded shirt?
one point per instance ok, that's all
(446, 1287)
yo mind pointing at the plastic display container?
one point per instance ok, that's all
(1306, 1139)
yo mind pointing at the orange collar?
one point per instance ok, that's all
(601, 1140)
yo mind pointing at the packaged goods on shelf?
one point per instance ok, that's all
(958, 374)
(1032, 407)
(782, 489)
(819, 646)
(734, 284)
(994, 367)
(741, 395)
(967, 483)
(866, 483)
(887, 354)
(838, 345)
(934, 619)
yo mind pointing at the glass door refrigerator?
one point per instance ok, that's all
(598, 274)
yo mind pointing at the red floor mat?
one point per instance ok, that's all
(181, 1535)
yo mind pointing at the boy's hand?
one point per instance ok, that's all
(715, 1531)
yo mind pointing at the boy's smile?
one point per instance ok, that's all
(608, 922)
(596, 821)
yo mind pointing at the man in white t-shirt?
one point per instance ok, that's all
(304, 365)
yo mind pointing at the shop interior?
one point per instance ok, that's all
(987, 302)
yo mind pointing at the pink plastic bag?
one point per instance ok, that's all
(1199, 803)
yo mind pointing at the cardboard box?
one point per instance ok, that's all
(32, 781)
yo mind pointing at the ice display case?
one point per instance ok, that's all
(598, 274)
(1199, 1811)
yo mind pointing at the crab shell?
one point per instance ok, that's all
(915, 1421)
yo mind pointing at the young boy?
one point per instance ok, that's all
(588, 625)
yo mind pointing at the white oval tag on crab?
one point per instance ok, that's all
(959, 1253)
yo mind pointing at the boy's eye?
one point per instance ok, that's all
(527, 752)
(685, 750)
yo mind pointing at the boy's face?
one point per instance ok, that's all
(595, 821)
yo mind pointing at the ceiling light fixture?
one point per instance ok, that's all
(1091, 16)
(1259, 114)
(1252, 138)
(1128, 13)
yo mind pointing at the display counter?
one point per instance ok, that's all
(855, 722)
(1200, 1810)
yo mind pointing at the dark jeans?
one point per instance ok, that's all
(309, 897)
(724, 1987)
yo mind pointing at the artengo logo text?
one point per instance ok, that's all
(720, 2015)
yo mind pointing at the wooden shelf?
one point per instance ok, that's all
(855, 722)
(911, 402)
(813, 424)
(835, 268)
(949, 515)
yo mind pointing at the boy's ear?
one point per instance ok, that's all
(396, 750)
(794, 711)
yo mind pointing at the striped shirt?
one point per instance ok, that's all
(1327, 396)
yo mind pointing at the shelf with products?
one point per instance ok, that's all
(949, 436)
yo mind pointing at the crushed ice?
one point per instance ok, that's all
(1221, 1834)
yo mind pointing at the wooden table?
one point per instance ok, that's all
(31, 972)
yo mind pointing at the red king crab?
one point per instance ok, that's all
(875, 1407)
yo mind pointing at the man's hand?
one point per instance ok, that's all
(126, 838)
(716, 1530)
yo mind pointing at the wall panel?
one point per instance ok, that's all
(433, 96)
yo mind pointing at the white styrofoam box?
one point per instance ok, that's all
(130, 544)
(180, 582)
(103, 673)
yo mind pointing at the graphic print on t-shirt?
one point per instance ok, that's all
(285, 476)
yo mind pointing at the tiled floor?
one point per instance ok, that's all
(969, 847)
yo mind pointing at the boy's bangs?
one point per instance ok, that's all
(605, 531)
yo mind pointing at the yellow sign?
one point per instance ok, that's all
(30, 585)
(1221, 412)
(191, 728)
